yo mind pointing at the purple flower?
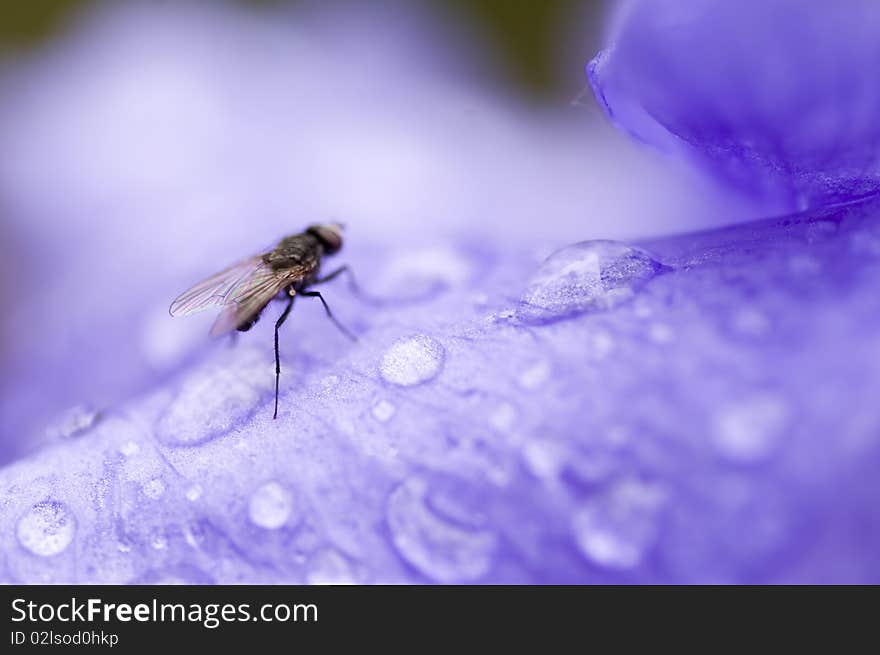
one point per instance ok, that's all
(778, 97)
(529, 401)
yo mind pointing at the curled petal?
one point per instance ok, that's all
(779, 97)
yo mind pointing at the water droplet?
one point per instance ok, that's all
(535, 375)
(154, 488)
(194, 492)
(660, 333)
(328, 567)
(421, 273)
(412, 361)
(47, 528)
(130, 448)
(545, 459)
(73, 422)
(435, 545)
(503, 418)
(616, 529)
(211, 401)
(749, 431)
(383, 411)
(158, 540)
(271, 506)
(585, 277)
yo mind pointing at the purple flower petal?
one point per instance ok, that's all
(714, 423)
(779, 97)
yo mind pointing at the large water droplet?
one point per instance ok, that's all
(413, 360)
(47, 528)
(585, 277)
(749, 431)
(421, 273)
(435, 545)
(214, 399)
(616, 529)
(271, 506)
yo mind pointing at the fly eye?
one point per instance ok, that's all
(329, 235)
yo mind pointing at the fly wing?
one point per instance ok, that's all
(252, 294)
(217, 289)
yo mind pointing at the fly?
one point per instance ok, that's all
(245, 288)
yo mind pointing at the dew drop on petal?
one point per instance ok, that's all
(585, 277)
(383, 411)
(535, 375)
(158, 540)
(615, 530)
(271, 506)
(47, 528)
(130, 448)
(749, 431)
(211, 401)
(503, 417)
(73, 422)
(328, 567)
(194, 492)
(154, 488)
(421, 273)
(412, 360)
(435, 545)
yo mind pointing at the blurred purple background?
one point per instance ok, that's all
(614, 414)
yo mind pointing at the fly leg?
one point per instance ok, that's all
(352, 283)
(317, 294)
(278, 324)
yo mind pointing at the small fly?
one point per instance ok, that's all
(244, 289)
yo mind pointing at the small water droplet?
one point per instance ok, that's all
(585, 277)
(73, 422)
(616, 529)
(328, 567)
(154, 488)
(545, 459)
(413, 360)
(383, 411)
(47, 528)
(130, 448)
(749, 431)
(271, 506)
(660, 333)
(435, 545)
(194, 492)
(535, 375)
(158, 540)
(503, 417)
